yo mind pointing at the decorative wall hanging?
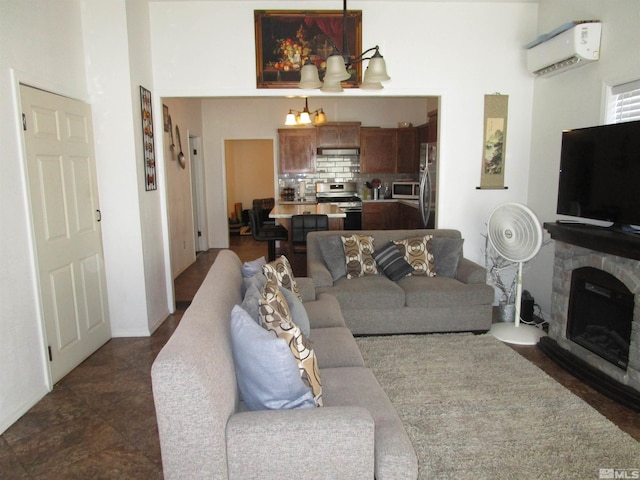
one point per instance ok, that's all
(147, 140)
(285, 39)
(494, 146)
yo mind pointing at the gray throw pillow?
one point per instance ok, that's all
(251, 302)
(446, 255)
(392, 262)
(299, 314)
(332, 252)
(249, 269)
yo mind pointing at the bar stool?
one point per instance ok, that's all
(303, 224)
(267, 233)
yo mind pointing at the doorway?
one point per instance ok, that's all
(249, 175)
(65, 216)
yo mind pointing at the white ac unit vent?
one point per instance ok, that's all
(568, 46)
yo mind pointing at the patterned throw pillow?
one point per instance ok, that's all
(357, 251)
(417, 252)
(392, 262)
(280, 272)
(276, 317)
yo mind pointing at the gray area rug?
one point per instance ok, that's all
(475, 409)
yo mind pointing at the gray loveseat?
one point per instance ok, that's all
(456, 301)
(207, 433)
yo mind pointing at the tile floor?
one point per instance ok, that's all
(99, 421)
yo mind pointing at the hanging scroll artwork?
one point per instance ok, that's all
(494, 142)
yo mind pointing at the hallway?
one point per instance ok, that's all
(99, 421)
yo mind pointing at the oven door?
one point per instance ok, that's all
(353, 220)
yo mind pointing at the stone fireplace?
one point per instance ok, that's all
(600, 268)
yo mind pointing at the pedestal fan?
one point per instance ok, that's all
(515, 233)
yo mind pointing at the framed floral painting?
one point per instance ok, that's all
(285, 39)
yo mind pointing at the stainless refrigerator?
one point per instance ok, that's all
(428, 184)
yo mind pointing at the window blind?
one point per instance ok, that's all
(624, 105)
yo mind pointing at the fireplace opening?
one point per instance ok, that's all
(600, 314)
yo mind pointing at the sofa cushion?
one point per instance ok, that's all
(357, 251)
(417, 252)
(276, 317)
(392, 262)
(324, 312)
(336, 347)
(442, 292)
(280, 272)
(357, 386)
(446, 255)
(371, 292)
(266, 372)
(332, 251)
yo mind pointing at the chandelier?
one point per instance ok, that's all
(337, 65)
(296, 117)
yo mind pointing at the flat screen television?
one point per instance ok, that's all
(600, 174)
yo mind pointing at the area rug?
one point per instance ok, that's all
(475, 409)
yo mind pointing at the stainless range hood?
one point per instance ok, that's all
(338, 151)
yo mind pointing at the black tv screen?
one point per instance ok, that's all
(600, 173)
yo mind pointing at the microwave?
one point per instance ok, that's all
(407, 190)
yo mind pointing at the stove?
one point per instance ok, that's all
(345, 196)
(342, 194)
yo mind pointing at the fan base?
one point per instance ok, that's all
(520, 334)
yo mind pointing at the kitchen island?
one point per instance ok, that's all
(283, 213)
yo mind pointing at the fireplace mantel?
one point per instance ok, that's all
(600, 239)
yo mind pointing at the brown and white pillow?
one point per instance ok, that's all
(280, 272)
(275, 317)
(358, 250)
(417, 252)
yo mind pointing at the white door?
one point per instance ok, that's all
(58, 139)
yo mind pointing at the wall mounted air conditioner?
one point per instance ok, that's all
(569, 46)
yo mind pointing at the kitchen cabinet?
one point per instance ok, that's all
(378, 150)
(408, 217)
(380, 215)
(433, 126)
(297, 148)
(407, 160)
(389, 150)
(338, 134)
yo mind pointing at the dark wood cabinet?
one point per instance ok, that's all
(408, 217)
(339, 134)
(407, 160)
(297, 150)
(433, 126)
(380, 215)
(378, 150)
(389, 150)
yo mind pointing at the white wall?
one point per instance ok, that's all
(574, 99)
(83, 54)
(58, 67)
(459, 51)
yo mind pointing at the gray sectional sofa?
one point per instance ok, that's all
(453, 301)
(207, 433)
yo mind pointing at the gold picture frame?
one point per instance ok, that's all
(286, 38)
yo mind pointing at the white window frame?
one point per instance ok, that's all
(623, 102)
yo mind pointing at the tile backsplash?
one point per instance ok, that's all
(338, 169)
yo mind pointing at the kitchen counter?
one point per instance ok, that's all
(410, 203)
(283, 213)
(286, 211)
